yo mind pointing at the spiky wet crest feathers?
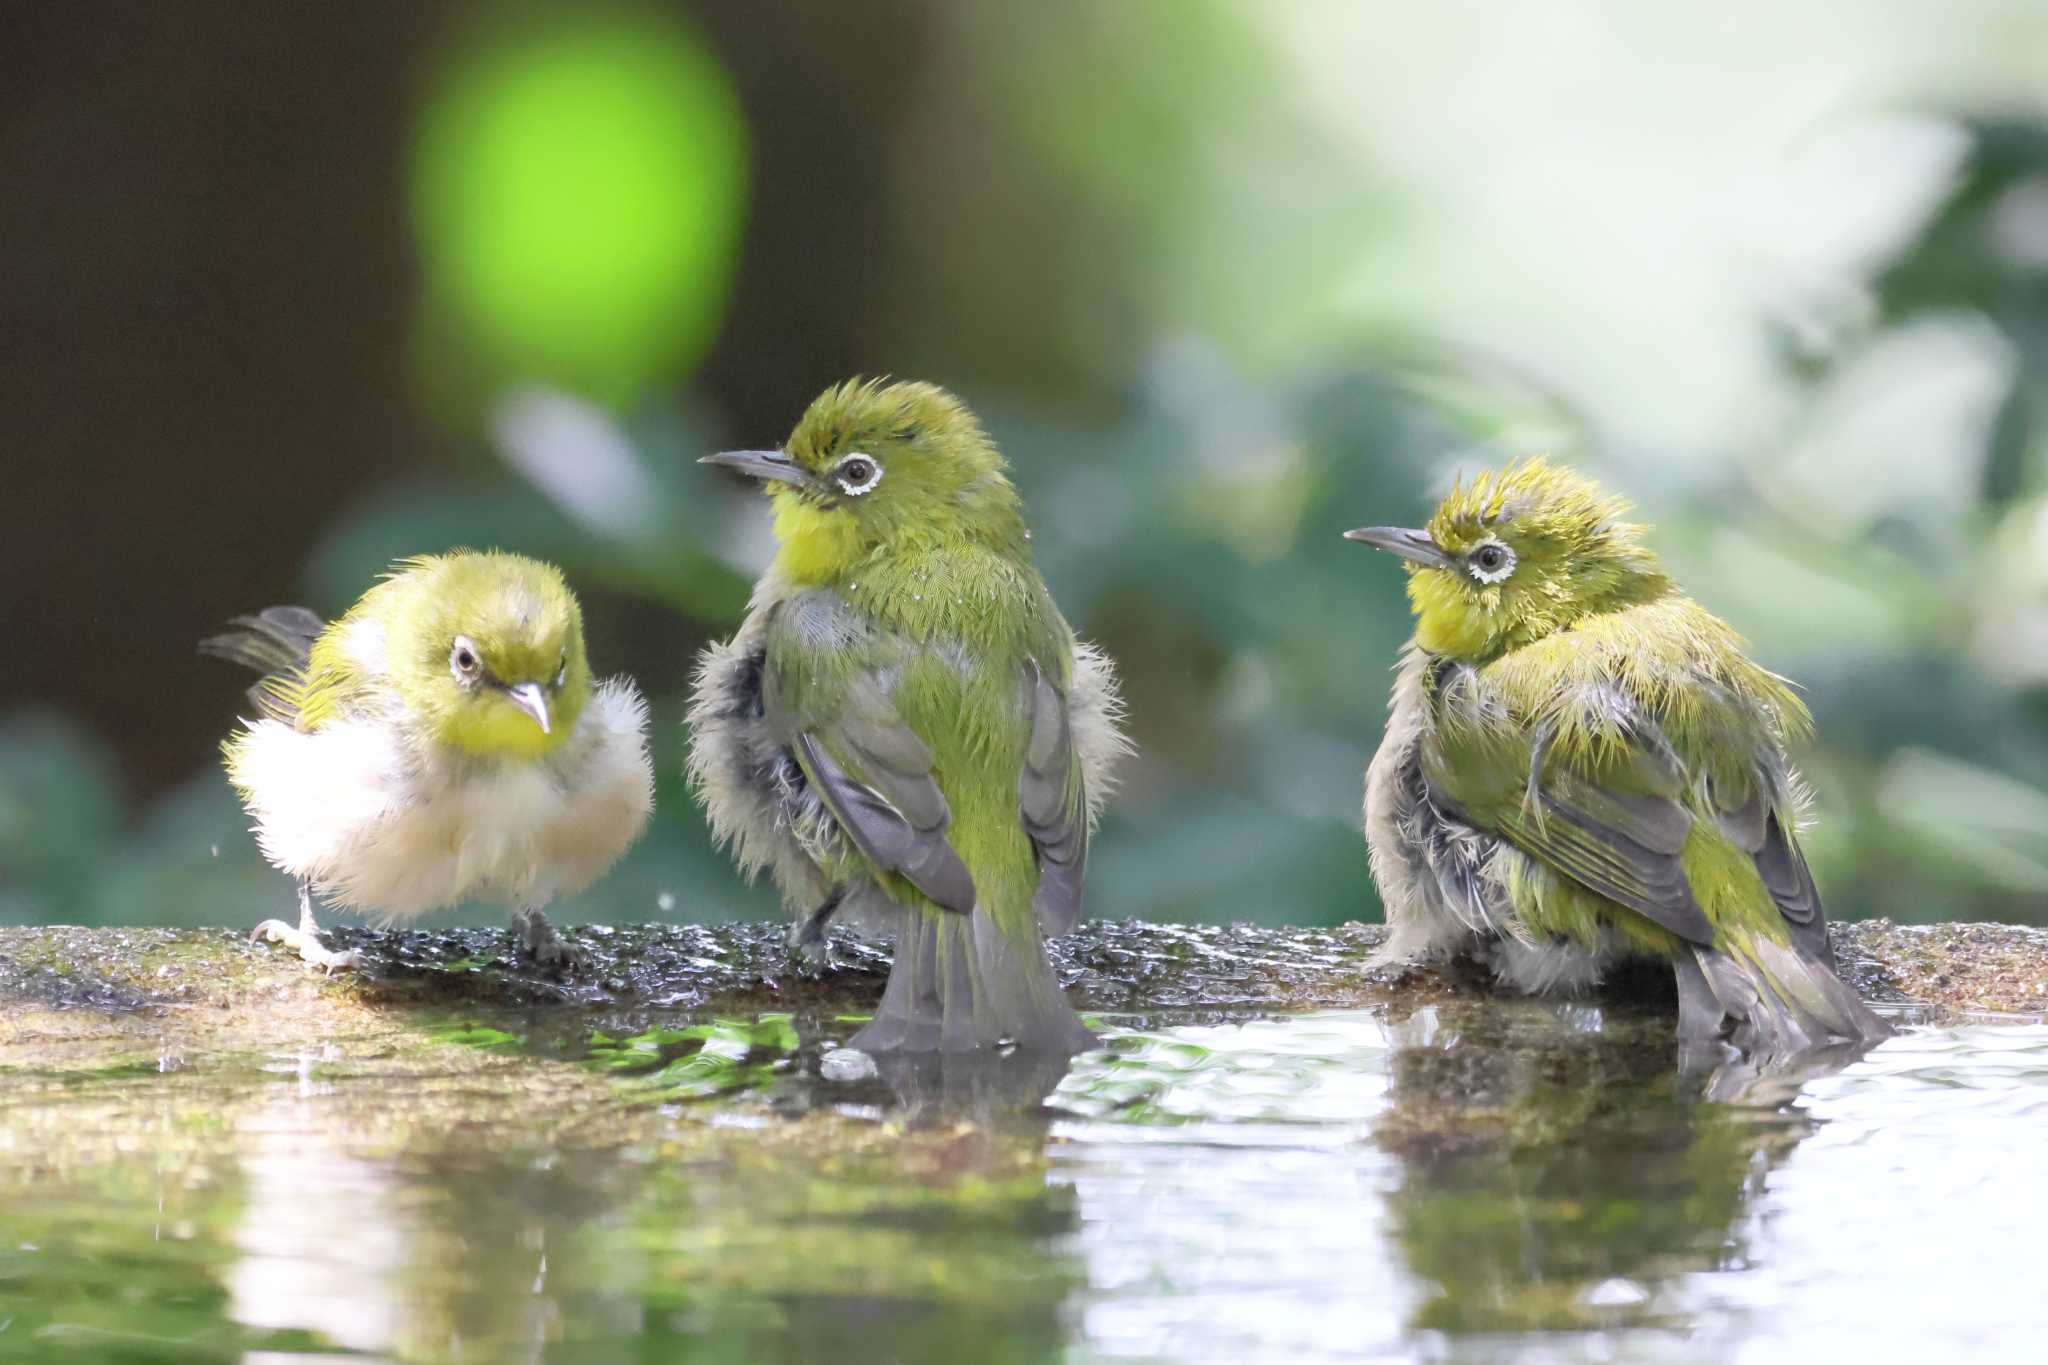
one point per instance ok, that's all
(1574, 556)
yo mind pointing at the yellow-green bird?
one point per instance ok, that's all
(1582, 764)
(905, 732)
(442, 741)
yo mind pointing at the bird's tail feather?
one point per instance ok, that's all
(1769, 1000)
(960, 984)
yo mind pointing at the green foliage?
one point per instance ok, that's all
(697, 1061)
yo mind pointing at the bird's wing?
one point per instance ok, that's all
(1765, 833)
(276, 642)
(875, 774)
(1052, 799)
(1615, 817)
(1619, 829)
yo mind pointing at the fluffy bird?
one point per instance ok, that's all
(905, 732)
(442, 741)
(1582, 764)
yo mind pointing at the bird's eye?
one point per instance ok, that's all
(463, 660)
(562, 670)
(857, 474)
(1490, 561)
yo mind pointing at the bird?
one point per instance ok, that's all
(1582, 765)
(904, 731)
(443, 740)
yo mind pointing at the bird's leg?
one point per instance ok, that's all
(809, 949)
(306, 938)
(537, 941)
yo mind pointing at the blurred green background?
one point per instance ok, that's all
(291, 291)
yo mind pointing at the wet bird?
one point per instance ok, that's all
(1582, 764)
(905, 732)
(442, 741)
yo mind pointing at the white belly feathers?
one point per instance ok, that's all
(387, 825)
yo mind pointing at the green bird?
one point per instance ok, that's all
(1581, 764)
(443, 740)
(904, 732)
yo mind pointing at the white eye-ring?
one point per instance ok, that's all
(1490, 561)
(857, 473)
(464, 661)
(562, 672)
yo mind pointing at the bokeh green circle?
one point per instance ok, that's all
(577, 192)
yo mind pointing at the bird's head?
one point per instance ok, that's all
(873, 464)
(1515, 555)
(487, 650)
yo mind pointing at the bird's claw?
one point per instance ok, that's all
(557, 956)
(809, 948)
(308, 946)
(535, 941)
(812, 958)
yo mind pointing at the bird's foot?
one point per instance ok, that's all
(810, 950)
(809, 943)
(308, 945)
(535, 940)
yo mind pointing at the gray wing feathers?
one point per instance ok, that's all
(1631, 861)
(1052, 799)
(1650, 815)
(1622, 836)
(902, 830)
(1070, 757)
(1783, 868)
(1759, 829)
(1622, 843)
(276, 642)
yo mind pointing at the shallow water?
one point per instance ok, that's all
(1471, 1181)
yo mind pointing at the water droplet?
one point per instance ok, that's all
(1616, 1293)
(846, 1065)
(665, 902)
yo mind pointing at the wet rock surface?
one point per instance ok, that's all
(1950, 968)
(1128, 967)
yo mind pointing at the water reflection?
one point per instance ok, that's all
(382, 1204)
(1475, 1181)
(1559, 1169)
(321, 1238)
(1336, 1185)
(1908, 1225)
(1232, 1202)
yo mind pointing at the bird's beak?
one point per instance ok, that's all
(772, 465)
(529, 698)
(1399, 540)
